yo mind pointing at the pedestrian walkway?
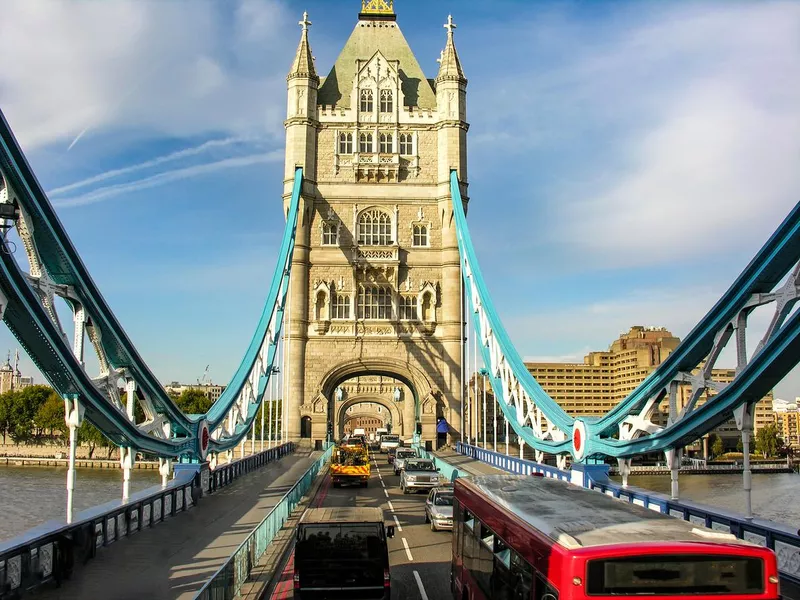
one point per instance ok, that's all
(176, 558)
(467, 464)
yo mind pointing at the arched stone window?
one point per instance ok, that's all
(420, 236)
(387, 101)
(366, 101)
(330, 233)
(407, 144)
(365, 143)
(374, 228)
(374, 302)
(386, 143)
(345, 143)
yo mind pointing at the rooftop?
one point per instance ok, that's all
(576, 517)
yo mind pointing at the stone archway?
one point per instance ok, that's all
(420, 408)
(395, 414)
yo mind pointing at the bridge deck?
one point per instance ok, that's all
(174, 559)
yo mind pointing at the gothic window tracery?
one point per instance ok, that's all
(365, 143)
(374, 302)
(386, 143)
(406, 144)
(408, 308)
(387, 101)
(345, 143)
(374, 228)
(419, 236)
(340, 306)
(330, 233)
(366, 101)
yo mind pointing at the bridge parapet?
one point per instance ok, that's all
(780, 538)
(48, 553)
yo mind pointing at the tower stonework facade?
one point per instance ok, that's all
(375, 293)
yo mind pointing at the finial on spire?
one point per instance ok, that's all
(450, 25)
(305, 23)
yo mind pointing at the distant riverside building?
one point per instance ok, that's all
(605, 378)
(210, 390)
(787, 417)
(11, 378)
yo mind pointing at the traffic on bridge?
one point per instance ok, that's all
(381, 434)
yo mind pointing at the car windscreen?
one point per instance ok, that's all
(344, 541)
(444, 499)
(415, 465)
(405, 454)
(390, 438)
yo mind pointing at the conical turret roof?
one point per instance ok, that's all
(450, 67)
(303, 65)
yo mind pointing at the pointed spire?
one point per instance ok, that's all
(449, 64)
(303, 65)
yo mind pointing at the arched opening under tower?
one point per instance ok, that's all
(369, 415)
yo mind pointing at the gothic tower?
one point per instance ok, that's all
(375, 290)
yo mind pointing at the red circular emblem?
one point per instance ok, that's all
(204, 438)
(576, 439)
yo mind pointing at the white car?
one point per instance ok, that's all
(400, 457)
(389, 440)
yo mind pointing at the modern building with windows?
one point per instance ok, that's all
(605, 378)
(787, 418)
(375, 286)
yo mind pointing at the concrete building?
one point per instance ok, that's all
(375, 285)
(605, 378)
(210, 390)
(787, 418)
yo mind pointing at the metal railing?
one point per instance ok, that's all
(50, 552)
(782, 539)
(512, 464)
(227, 582)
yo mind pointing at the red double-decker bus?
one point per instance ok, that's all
(535, 538)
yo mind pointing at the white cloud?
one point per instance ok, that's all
(110, 191)
(167, 68)
(674, 130)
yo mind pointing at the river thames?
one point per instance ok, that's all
(30, 496)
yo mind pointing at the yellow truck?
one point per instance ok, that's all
(350, 464)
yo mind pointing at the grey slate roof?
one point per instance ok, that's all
(367, 38)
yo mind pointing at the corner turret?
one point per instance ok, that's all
(451, 102)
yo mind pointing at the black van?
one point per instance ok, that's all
(342, 553)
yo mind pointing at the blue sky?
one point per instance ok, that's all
(626, 159)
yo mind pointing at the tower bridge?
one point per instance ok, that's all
(378, 309)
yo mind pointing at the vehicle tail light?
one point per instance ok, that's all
(386, 578)
(296, 580)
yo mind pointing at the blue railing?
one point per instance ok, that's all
(511, 464)
(782, 539)
(227, 582)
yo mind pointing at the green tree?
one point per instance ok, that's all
(739, 445)
(276, 410)
(717, 448)
(6, 420)
(50, 416)
(194, 402)
(767, 441)
(91, 436)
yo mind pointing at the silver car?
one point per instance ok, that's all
(419, 474)
(400, 457)
(439, 508)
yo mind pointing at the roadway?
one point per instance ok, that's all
(419, 558)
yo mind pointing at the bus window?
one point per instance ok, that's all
(544, 591)
(522, 575)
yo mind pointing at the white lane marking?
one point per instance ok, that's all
(396, 520)
(385, 491)
(408, 552)
(391, 506)
(420, 586)
(383, 484)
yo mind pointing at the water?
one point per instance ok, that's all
(30, 496)
(774, 496)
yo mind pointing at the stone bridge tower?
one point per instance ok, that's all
(375, 295)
